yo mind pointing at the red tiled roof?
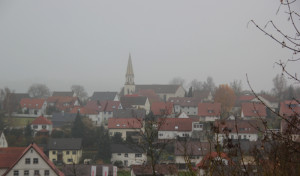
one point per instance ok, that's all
(289, 108)
(240, 126)
(83, 111)
(175, 124)
(62, 103)
(124, 123)
(41, 120)
(112, 105)
(254, 110)
(9, 155)
(211, 156)
(209, 109)
(152, 96)
(42, 155)
(162, 108)
(32, 103)
(246, 97)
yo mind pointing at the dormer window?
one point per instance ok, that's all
(176, 127)
(118, 125)
(210, 111)
(254, 111)
(114, 107)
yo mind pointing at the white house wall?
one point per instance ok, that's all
(131, 158)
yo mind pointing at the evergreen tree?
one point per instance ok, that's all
(28, 131)
(104, 151)
(190, 94)
(78, 127)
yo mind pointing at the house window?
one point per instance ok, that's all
(53, 152)
(126, 155)
(138, 155)
(119, 154)
(16, 173)
(161, 134)
(26, 172)
(35, 161)
(27, 160)
(70, 160)
(68, 152)
(36, 172)
(44, 126)
(245, 136)
(46, 173)
(74, 152)
(35, 126)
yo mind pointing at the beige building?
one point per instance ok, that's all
(125, 126)
(65, 150)
(128, 155)
(32, 161)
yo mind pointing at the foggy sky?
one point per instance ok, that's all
(64, 42)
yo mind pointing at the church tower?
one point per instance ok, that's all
(129, 87)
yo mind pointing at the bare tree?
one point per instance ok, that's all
(178, 81)
(39, 91)
(236, 85)
(80, 92)
(280, 85)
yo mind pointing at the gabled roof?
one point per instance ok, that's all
(9, 155)
(159, 89)
(129, 113)
(124, 123)
(41, 120)
(240, 126)
(84, 111)
(109, 106)
(289, 108)
(42, 155)
(211, 156)
(64, 143)
(32, 103)
(129, 101)
(123, 148)
(192, 148)
(175, 124)
(254, 110)
(162, 108)
(209, 109)
(61, 119)
(103, 96)
(63, 94)
(150, 94)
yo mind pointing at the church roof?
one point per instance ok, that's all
(158, 88)
(103, 96)
(129, 67)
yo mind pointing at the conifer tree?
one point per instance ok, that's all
(78, 127)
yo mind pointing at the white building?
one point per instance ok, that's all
(41, 125)
(32, 162)
(3, 142)
(128, 155)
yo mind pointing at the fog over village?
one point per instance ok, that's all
(149, 87)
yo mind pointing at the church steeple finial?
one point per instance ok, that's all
(129, 72)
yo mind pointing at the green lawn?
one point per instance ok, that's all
(17, 122)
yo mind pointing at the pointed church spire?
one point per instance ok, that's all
(129, 73)
(129, 67)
